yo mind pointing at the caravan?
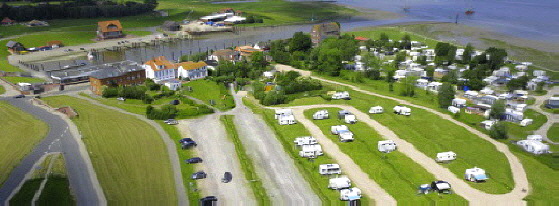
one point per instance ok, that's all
(337, 128)
(534, 137)
(321, 114)
(401, 110)
(286, 120)
(339, 183)
(350, 194)
(307, 140)
(534, 146)
(347, 116)
(526, 122)
(453, 109)
(387, 146)
(280, 112)
(475, 175)
(341, 95)
(376, 110)
(345, 136)
(329, 169)
(311, 151)
(445, 156)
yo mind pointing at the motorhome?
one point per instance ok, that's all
(337, 128)
(311, 151)
(329, 169)
(339, 183)
(445, 156)
(387, 146)
(534, 146)
(286, 120)
(341, 95)
(345, 136)
(350, 194)
(280, 112)
(475, 175)
(306, 140)
(376, 110)
(321, 114)
(401, 110)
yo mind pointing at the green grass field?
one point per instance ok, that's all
(553, 132)
(2, 90)
(186, 169)
(15, 80)
(128, 155)
(57, 188)
(399, 175)
(517, 132)
(20, 132)
(246, 163)
(207, 90)
(24, 196)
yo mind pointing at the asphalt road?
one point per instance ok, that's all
(58, 139)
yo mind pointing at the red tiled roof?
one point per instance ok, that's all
(104, 26)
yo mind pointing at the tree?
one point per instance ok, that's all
(498, 131)
(258, 60)
(539, 87)
(467, 55)
(496, 57)
(384, 37)
(518, 83)
(446, 95)
(497, 110)
(300, 42)
(408, 86)
(451, 77)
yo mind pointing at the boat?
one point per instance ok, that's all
(406, 7)
(470, 11)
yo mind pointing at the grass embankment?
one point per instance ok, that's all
(399, 175)
(15, 80)
(128, 155)
(57, 188)
(27, 191)
(207, 90)
(2, 90)
(431, 134)
(286, 134)
(186, 169)
(553, 132)
(246, 163)
(20, 132)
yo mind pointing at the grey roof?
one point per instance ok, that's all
(11, 44)
(114, 71)
(108, 70)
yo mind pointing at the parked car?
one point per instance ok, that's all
(199, 175)
(194, 160)
(171, 122)
(208, 201)
(19, 96)
(227, 177)
(187, 140)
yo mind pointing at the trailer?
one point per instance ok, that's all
(401, 110)
(280, 112)
(441, 187)
(534, 146)
(350, 194)
(475, 175)
(337, 128)
(387, 146)
(534, 137)
(311, 151)
(445, 156)
(339, 183)
(329, 169)
(453, 109)
(376, 110)
(321, 114)
(526, 122)
(307, 140)
(345, 136)
(342, 113)
(350, 119)
(487, 124)
(341, 95)
(286, 120)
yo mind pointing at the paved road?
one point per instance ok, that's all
(59, 139)
(522, 186)
(551, 118)
(282, 180)
(218, 153)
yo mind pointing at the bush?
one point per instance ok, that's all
(166, 112)
(498, 131)
(109, 92)
(147, 99)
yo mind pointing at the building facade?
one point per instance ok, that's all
(109, 29)
(192, 70)
(116, 76)
(160, 69)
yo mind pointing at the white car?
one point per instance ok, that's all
(171, 122)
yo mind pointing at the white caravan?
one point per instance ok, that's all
(533, 146)
(311, 151)
(445, 156)
(475, 175)
(376, 110)
(337, 128)
(387, 146)
(453, 109)
(534, 137)
(286, 120)
(341, 95)
(526, 122)
(457, 102)
(401, 110)
(487, 124)
(307, 140)
(329, 169)
(345, 136)
(321, 114)
(350, 119)
(350, 194)
(339, 183)
(280, 112)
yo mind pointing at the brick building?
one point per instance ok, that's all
(132, 74)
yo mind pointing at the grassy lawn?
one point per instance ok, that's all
(207, 90)
(553, 133)
(516, 131)
(128, 155)
(286, 134)
(15, 80)
(399, 175)
(57, 188)
(186, 169)
(20, 132)
(246, 163)
(24, 196)
(2, 90)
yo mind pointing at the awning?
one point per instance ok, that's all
(481, 177)
(354, 197)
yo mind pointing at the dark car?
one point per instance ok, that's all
(227, 177)
(187, 142)
(199, 175)
(194, 160)
(208, 201)
(19, 96)
(183, 140)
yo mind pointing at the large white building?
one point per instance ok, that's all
(162, 70)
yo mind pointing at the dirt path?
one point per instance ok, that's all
(551, 118)
(219, 156)
(10, 91)
(515, 197)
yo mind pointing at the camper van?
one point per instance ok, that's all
(337, 128)
(350, 194)
(386, 146)
(445, 156)
(280, 112)
(475, 175)
(376, 110)
(286, 120)
(329, 169)
(401, 110)
(339, 183)
(350, 119)
(341, 95)
(453, 109)
(321, 114)
(534, 146)
(345, 136)
(311, 151)
(308, 140)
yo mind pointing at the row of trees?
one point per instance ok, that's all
(75, 10)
